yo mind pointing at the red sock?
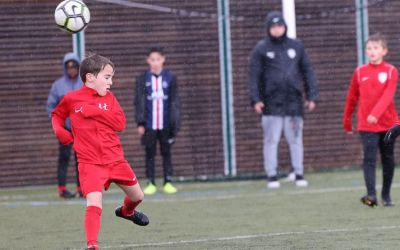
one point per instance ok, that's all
(61, 189)
(92, 224)
(129, 206)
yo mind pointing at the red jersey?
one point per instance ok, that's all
(373, 88)
(94, 122)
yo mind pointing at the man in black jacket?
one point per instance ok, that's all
(158, 116)
(280, 72)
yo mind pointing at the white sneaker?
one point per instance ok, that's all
(301, 183)
(291, 177)
(273, 184)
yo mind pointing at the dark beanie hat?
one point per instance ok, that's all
(274, 17)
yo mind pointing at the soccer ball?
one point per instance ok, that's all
(72, 15)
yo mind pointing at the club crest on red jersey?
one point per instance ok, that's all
(382, 77)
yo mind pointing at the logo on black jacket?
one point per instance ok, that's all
(291, 53)
(270, 54)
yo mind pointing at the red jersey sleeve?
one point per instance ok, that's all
(351, 101)
(115, 119)
(388, 94)
(58, 116)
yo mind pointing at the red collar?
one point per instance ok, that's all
(377, 65)
(89, 90)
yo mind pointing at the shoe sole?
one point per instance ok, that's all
(118, 213)
(369, 203)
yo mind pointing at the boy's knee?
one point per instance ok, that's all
(94, 199)
(136, 196)
(140, 196)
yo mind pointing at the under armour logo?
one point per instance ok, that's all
(103, 107)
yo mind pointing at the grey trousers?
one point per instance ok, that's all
(293, 131)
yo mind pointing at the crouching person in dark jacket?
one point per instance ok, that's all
(280, 72)
(158, 117)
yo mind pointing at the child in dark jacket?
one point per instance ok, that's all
(157, 116)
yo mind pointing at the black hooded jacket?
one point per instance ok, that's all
(280, 72)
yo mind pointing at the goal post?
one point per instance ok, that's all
(78, 43)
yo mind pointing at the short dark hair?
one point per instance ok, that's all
(159, 50)
(94, 64)
(378, 37)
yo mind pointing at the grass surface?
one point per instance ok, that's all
(213, 215)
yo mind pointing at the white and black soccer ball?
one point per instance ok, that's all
(72, 15)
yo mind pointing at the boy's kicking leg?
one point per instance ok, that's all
(134, 196)
(93, 218)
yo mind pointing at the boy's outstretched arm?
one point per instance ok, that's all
(58, 117)
(113, 116)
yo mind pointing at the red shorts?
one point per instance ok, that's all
(94, 178)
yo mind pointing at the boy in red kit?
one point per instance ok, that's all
(373, 87)
(96, 117)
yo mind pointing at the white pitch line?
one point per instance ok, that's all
(253, 236)
(116, 201)
(202, 197)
